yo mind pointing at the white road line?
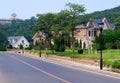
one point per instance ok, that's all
(38, 69)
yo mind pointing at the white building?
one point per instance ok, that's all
(16, 41)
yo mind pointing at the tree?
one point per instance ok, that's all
(44, 23)
(111, 40)
(3, 41)
(84, 45)
(21, 47)
(80, 44)
(74, 11)
(61, 28)
(59, 44)
(84, 18)
(20, 27)
(117, 23)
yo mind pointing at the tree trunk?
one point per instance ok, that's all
(73, 41)
(49, 41)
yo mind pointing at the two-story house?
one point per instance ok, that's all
(88, 32)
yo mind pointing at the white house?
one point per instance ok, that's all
(16, 41)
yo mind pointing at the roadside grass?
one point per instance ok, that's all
(109, 56)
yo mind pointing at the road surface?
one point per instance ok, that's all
(15, 68)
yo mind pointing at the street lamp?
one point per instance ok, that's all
(101, 25)
(40, 36)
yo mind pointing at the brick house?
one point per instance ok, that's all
(88, 32)
(39, 36)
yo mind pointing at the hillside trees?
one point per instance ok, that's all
(3, 41)
(110, 14)
(20, 28)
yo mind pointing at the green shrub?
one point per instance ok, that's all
(2, 48)
(80, 51)
(116, 64)
(107, 63)
(59, 45)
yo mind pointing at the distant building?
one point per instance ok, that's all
(16, 41)
(8, 21)
(5, 21)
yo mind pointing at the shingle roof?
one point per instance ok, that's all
(15, 38)
(43, 33)
(112, 25)
(96, 21)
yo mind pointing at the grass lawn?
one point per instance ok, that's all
(108, 55)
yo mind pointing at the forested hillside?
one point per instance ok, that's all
(20, 28)
(110, 14)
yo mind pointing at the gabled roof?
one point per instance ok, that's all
(15, 38)
(37, 34)
(112, 25)
(96, 21)
(104, 20)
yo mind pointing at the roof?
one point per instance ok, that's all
(37, 33)
(112, 25)
(104, 20)
(15, 38)
(96, 21)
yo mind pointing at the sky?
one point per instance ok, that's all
(28, 8)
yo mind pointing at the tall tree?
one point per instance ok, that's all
(44, 23)
(74, 10)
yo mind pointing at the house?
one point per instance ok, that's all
(39, 36)
(16, 41)
(88, 32)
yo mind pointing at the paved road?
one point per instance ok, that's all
(15, 68)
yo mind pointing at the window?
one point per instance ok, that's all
(89, 33)
(22, 41)
(95, 33)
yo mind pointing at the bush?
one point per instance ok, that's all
(10, 46)
(3, 48)
(116, 64)
(31, 46)
(80, 51)
(59, 45)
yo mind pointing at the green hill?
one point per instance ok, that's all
(20, 28)
(110, 14)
